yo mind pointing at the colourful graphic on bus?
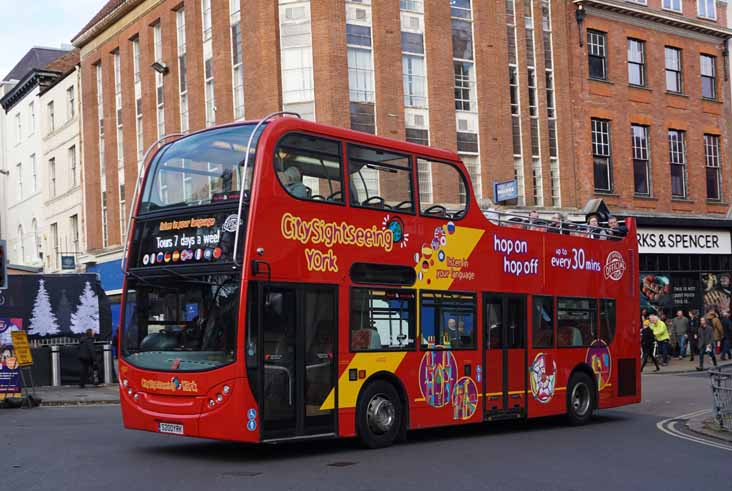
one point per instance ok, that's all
(464, 399)
(598, 357)
(437, 375)
(543, 377)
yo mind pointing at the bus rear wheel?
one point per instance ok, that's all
(379, 414)
(580, 399)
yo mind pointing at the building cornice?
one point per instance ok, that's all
(663, 18)
(88, 35)
(41, 78)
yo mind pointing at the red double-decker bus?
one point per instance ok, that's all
(288, 280)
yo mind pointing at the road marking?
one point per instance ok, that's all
(669, 426)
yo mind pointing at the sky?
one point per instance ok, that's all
(40, 23)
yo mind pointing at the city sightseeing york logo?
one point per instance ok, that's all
(614, 266)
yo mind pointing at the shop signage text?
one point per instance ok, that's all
(683, 241)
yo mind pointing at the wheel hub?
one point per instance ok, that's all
(580, 399)
(380, 414)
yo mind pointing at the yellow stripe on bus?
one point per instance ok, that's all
(370, 362)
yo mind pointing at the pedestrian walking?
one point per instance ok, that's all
(679, 326)
(647, 340)
(660, 332)
(705, 343)
(717, 329)
(86, 357)
(692, 333)
(726, 336)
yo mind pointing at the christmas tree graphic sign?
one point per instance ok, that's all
(87, 312)
(43, 321)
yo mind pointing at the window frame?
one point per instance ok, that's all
(341, 156)
(553, 300)
(600, 329)
(438, 327)
(412, 318)
(713, 77)
(597, 155)
(462, 176)
(411, 158)
(678, 73)
(640, 64)
(706, 4)
(603, 56)
(712, 161)
(596, 311)
(669, 5)
(636, 158)
(684, 164)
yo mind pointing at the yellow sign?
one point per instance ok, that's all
(22, 348)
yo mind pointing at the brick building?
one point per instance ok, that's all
(516, 87)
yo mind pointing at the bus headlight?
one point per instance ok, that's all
(227, 389)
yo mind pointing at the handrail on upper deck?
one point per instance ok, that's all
(502, 218)
(244, 175)
(133, 203)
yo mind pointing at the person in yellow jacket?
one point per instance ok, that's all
(660, 332)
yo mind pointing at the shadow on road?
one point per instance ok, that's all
(242, 452)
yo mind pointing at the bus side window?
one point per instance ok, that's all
(447, 320)
(607, 320)
(449, 199)
(310, 168)
(576, 322)
(380, 179)
(382, 320)
(542, 333)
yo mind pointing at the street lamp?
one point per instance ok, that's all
(5, 172)
(579, 15)
(160, 67)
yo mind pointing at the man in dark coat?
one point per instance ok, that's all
(705, 342)
(86, 356)
(647, 341)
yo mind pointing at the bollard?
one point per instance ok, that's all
(107, 364)
(55, 365)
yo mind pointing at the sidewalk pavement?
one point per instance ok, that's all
(705, 425)
(73, 395)
(683, 365)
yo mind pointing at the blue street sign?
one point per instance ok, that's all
(505, 190)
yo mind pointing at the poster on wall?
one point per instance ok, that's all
(670, 292)
(717, 291)
(56, 306)
(10, 381)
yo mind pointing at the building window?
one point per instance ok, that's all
(74, 225)
(237, 59)
(601, 155)
(714, 172)
(72, 165)
(21, 245)
(31, 118)
(159, 92)
(677, 158)
(637, 62)
(34, 173)
(707, 9)
(674, 80)
(54, 243)
(674, 5)
(19, 172)
(138, 98)
(70, 103)
(515, 109)
(597, 52)
(641, 162)
(382, 319)
(208, 75)
(464, 86)
(18, 128)
(415, 92)
(102, 165)
(296, 56)
(472, 163)
(418, 136)
(52, 177)
(358, 35)
(180, 28)
(51, 117)
(36, 239)
(708, 76)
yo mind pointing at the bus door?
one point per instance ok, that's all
(505, 356)
(297, 366)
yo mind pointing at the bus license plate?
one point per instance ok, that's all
(172, 428)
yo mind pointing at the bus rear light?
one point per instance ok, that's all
(211, 403)
(219, 398)
(227, 389)
(129, 391)
(136, 397)
(124, 383)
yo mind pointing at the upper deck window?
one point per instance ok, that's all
(380, 179)
(199, 169)
(448, 197)
(310, 168)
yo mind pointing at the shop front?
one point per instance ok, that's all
(685, 267)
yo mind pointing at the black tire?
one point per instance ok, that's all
(379, 414)
(581, 399)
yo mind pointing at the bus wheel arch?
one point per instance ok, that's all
(387, 386)
(582, 395)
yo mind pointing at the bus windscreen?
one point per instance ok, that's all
(200, 169)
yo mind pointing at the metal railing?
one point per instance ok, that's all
(566, 227)
(721, 382)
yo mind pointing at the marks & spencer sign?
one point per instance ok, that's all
(683, 241)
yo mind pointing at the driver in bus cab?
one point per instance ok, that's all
(293, 183)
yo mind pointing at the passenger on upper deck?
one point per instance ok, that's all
(617, 230)
(596, 232)
(293, 182)
(534, 222)
(557, 225)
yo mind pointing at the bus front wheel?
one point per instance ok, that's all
(379, 414)
(580, 399)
